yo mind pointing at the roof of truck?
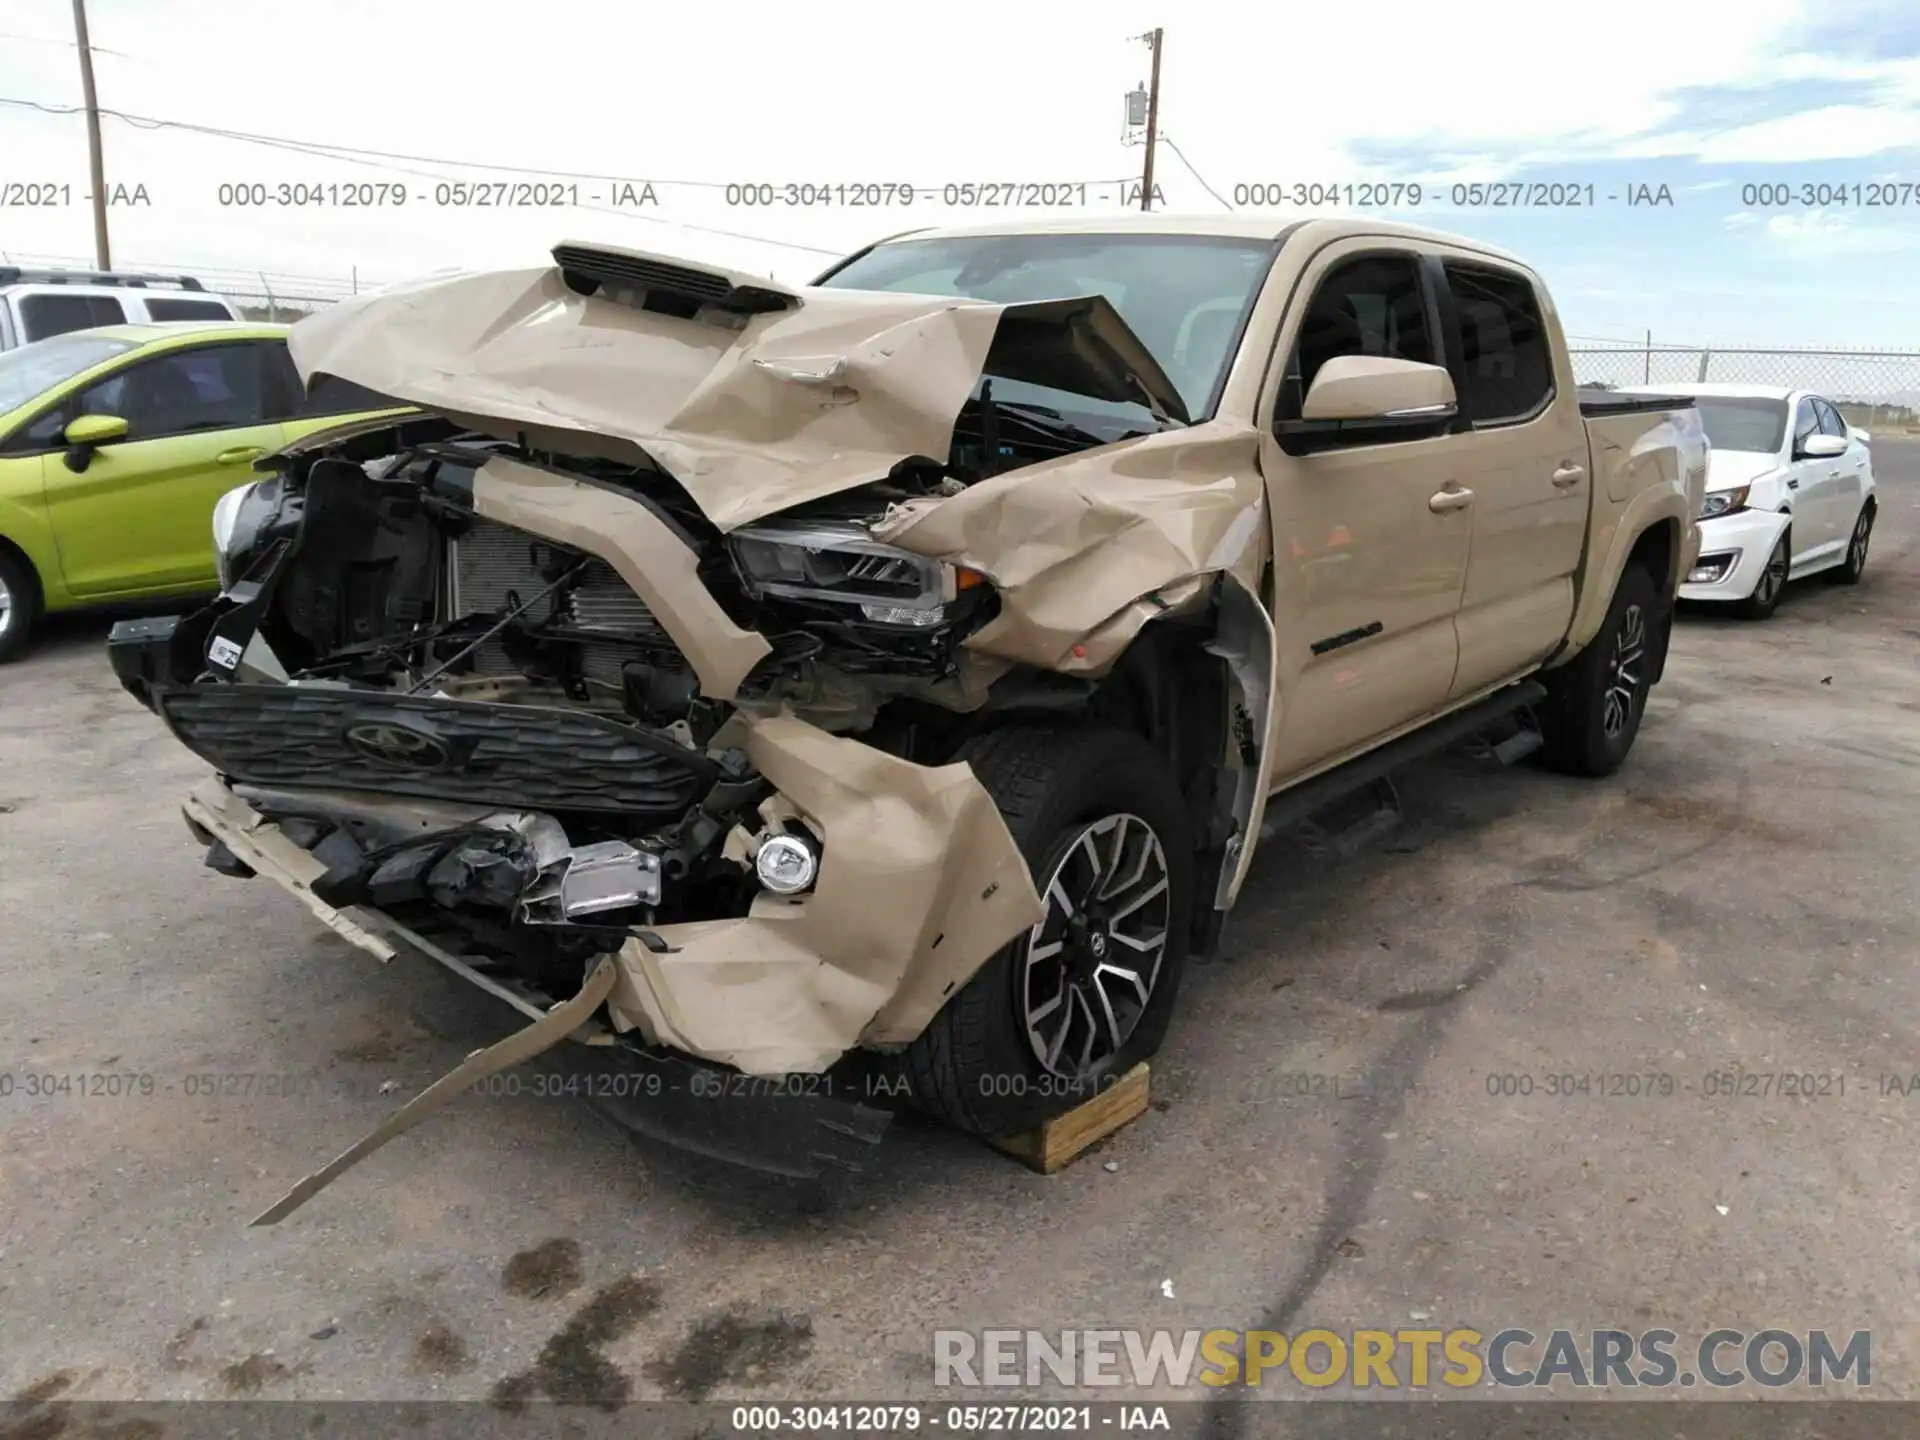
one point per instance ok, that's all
(1240, 226)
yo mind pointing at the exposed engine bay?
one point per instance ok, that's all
(379, 638)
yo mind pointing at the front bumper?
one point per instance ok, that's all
(1737, 547)
(754, 1011)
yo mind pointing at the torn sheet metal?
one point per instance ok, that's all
(1246, 642)
(215, 810)
(521, 1046)
(751, 414)
(620, 530)
(1087, 549)
(920, 883)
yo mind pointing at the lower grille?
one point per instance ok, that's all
(506, 755)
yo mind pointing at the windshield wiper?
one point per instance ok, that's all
(1051, 422)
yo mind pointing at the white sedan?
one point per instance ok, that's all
(1789, 493)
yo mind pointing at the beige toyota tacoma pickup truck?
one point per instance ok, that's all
(892, 676)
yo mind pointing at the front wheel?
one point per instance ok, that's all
(1067, 1008)
(1595, 701)
(1772, 583)
(19, 606)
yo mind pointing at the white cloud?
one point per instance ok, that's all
(1742, 220)
(1825, 232)
(1017, 91)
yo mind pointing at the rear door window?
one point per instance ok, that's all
(330, 395)
(166, 307)
(1506, 366)
(44, 315)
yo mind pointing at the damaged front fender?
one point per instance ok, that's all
(920, 882)
(1087, 549)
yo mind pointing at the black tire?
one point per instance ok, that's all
(1595, 701)
(1849, 571)
(19, 606)
(1772, 583)
(975, 1066)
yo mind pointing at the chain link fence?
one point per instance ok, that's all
(1872, 388)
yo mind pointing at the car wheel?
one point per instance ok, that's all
(1087, 992)
(1595, 701)
(1772, 583)
(1849, 571)
(19, 605)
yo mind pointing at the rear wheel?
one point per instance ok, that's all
(1772, 583)
(1087, 992)
(1595, 701)
(1849, 571)
(19, 605)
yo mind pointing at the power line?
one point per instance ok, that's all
(1168, 142)
(63, 44)
(387, 160)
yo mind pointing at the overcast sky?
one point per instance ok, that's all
(1707, 99)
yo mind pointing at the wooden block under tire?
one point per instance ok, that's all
(1058, 1141)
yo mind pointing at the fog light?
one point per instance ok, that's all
(785, 865)
(1710, 571)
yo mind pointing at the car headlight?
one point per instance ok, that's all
(226, 515)
(1724, 502)
(840, 564)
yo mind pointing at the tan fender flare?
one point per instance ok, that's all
(1614, 543)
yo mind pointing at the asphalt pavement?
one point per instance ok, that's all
(1357, 1120)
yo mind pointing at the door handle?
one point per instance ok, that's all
(239, 454)
(1569, 474)
(1443, 500)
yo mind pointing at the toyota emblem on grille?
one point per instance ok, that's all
(397, 745)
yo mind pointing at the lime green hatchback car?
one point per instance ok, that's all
(115, 446)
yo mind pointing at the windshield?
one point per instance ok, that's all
(1740, 423)
(1183, 295)
(36, 368)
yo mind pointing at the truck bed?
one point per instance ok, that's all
(1612, 402)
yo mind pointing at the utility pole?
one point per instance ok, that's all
(103, 257)
(1153, 117)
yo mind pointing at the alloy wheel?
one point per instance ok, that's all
(6, 605)
(1095, 955)
(1623, 671)
(1862, 537)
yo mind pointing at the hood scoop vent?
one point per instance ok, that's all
(587, 270)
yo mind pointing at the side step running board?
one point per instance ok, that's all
(1288, 809)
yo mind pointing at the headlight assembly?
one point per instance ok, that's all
(839, 564)
(1724, 502)
(226, 516)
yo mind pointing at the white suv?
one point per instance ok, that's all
(37, 303)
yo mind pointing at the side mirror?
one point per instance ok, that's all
(1376, 388)
(87, 433)
(1823, 447)
(95, 430)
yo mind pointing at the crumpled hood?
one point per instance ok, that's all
(755, 396)
(1727, 469)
